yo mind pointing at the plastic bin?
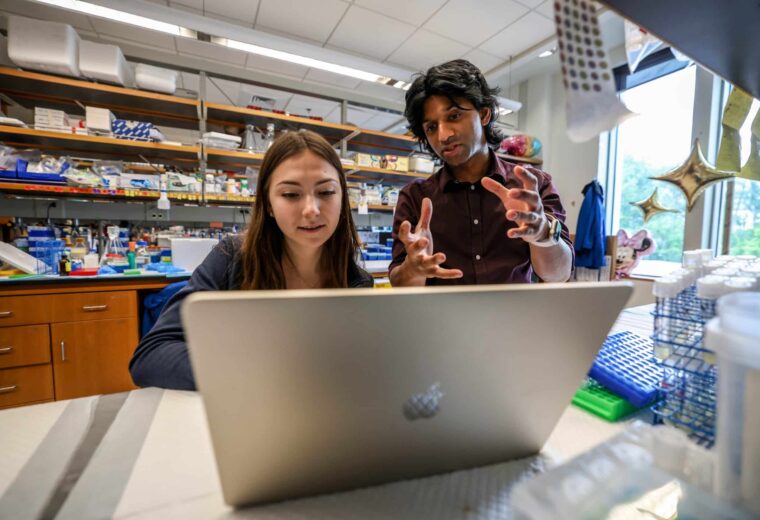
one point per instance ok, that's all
(104, 62)
(735, 336)
(42, 45)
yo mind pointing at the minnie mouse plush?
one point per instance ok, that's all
(630, 250)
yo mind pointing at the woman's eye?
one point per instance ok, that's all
(455, 116)
(430, 129)
(327, 193)
(290, 195)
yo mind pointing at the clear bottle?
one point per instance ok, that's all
(268, 137)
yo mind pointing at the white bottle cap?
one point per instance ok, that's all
(726, 271)
(711, 287)
(714, 264)
(667, 287)
(692, 259)
(737, 284)
(736, 331)
(706, 254)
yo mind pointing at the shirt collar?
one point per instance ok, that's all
(498, 171)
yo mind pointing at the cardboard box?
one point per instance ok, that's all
(421, 164)
(365, 159)
(396, 163)
(99, 120)
(131, 129)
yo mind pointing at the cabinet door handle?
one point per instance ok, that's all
(6, 350)
(63, 351)
(6, 314)
(94, 308)
(7, 389)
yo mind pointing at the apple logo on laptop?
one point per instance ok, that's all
(423, 405)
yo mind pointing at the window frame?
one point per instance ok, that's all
(704, 225)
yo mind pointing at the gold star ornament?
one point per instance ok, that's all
(693, 176)
(651, 206)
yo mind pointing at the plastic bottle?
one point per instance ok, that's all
(64, 265)
(735, 336)
(131, 256)
(268, 136)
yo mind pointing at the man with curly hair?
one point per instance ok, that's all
(495, 222)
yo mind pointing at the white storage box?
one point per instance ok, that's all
(103, 62)
(188, 253)
(99, 120)
(155, 78)
(45, 46)
(421, 164)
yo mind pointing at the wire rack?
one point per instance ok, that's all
(689, 371)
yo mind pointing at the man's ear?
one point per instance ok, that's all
(485, 115)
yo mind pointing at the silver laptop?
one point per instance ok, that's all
(311, 392)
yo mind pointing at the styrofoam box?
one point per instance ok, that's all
(4, 58)
(104, 62)
(42, 45)
(188, 253)
(155, 78)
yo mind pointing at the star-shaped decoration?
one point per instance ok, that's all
(693, 176)
(651, 206)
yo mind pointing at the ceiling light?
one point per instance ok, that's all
(548, 53)
(175, 30)
(301, 60)
(113, 14)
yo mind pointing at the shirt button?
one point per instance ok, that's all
(472, 186)
(477, 257)
(475, 222)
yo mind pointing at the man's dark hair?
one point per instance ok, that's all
(453, 79)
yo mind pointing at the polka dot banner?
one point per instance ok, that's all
(591, 100)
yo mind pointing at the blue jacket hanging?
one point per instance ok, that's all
(589, 234)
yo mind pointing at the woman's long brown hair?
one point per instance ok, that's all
(262, 248)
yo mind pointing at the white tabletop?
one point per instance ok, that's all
(147, 454)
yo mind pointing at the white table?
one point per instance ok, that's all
(147, 454)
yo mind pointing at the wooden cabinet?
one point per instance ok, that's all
(66, 343)
(91, 357)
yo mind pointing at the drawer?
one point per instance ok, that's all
(24, 310)
(93, 306)
(26, 385)
(20, 346)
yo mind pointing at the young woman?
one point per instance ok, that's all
(301, 236)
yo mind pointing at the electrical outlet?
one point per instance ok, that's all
(158, 215)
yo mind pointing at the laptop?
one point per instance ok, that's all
(310, 392)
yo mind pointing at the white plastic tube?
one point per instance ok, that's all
(735, 336)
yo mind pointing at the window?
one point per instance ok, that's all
(744, 204)
(650, 144)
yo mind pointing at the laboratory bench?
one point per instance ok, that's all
(68, 337)
(147, 454)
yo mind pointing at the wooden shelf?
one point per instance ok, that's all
(21, 188)
(368, 173)
(62, 190)
(232, 159)
(363, 140)
(32, 89)
(526, 160)
(99, 147)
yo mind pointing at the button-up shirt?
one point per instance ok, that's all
(469, 224)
